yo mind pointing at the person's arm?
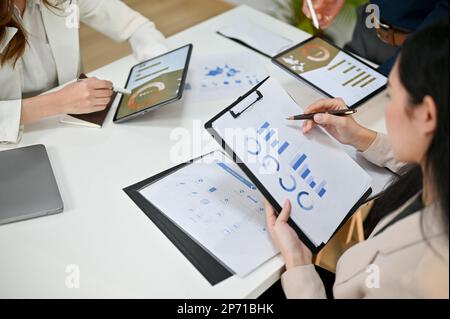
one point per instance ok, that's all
(300, 280)
(87, 96)
(119, 22)
(439, 13)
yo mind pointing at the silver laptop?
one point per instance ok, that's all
(28, 186)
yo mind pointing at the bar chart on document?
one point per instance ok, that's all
(321, 181)
(220, 208)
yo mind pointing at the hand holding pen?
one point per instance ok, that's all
(335, 117)
(116, 89)
(87, 95)
(322, 12)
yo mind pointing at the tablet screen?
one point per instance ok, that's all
(155, 82)
(332, 71)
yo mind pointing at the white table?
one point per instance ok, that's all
(119, 251)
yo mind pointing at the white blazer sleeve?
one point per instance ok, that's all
(116, 20)
(381, 153)
(10, 113)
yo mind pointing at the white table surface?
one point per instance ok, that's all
(119, 251)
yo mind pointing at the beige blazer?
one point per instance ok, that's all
(111, 17)
(397, 263)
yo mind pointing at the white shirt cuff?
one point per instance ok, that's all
(10, 114)
(147, 42)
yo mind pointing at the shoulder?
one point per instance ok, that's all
(431, 275)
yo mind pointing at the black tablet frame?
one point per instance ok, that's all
(155, 107)
(298, 76)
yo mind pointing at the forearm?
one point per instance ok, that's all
(364, 138)
(40, 107)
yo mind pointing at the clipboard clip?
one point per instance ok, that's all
(258, 98)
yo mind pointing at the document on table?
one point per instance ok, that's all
(257, 37)
(217, 206)
(222, 76)
(322, 182)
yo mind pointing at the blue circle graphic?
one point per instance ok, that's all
(266, 160)
(300, 197)
(257, 144)
(289, 189)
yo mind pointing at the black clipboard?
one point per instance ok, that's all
(213, 271)
(244, 44)
(209, 127)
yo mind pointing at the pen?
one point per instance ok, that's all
(121, 90)
(311, 115)
(115, 88)
(313, 14)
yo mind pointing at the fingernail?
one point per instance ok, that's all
(318, 118)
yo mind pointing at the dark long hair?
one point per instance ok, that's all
(16, 47)
(423, 68)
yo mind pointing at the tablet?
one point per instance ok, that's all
(154, 83)
(332, 71)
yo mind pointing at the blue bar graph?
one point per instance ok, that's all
(304, 173)
(283, 148)
(300, 165)
(269, 135)
(263, 128)
(299, 161)
(322, 192)
(321, 189)
(311, 182)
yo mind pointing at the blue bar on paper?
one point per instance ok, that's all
(237, 175)
(269, 135)
(275, 143)
(306, 173)
(321, 189)
(283, 148)
(263, 128)
(299, 162)
(311, 182)
(322, 192)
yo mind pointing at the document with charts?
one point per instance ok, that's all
(322, 182)
(220, 208)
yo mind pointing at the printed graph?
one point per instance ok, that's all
(300, 165)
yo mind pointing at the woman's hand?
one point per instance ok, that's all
(85, 96)
(294, 252)
(344, 128)
(326, 10)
